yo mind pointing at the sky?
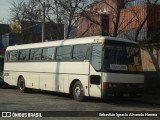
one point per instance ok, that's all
(4, 10)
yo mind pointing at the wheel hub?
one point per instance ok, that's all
(77, 91)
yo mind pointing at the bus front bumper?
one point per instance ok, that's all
(123, 90)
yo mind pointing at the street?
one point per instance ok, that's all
(13, 100)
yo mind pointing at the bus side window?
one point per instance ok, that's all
(64, 53)
(51, 53)
(44, 53)
(7, 56)
(80, 52)
(13, 56)
(48, 53)
(96, 57)
(23, 55)
(35, 54)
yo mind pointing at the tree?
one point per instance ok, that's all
(24, 11)
(56, 12)
(71, 9)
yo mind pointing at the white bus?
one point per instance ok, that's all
(92, 66)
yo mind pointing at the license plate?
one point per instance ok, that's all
(126, 95)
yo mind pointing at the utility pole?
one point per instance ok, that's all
(43, 23)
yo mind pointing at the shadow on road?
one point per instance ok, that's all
(117, 101)
(4, 85)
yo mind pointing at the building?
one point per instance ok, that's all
(131, 16)
(6, 38)
(4, 28)
(31, 32)
(95, 21)
(97, 25)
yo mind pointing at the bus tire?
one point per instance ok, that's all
(21, 85)
(78, 91)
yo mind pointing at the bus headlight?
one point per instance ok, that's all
(114, 85)
(110, 85)
(140, 86)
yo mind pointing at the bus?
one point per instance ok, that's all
(97, 66)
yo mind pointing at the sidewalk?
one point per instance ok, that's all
(148, 98)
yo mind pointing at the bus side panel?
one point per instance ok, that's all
(67, 72)
(95, 88)
(10, 76)
(47, 81)
(52, 76)
(58, 76)
(32, 80)
(83, 79)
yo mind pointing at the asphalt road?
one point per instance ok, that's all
(13, 100)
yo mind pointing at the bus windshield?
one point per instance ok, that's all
(122, 58)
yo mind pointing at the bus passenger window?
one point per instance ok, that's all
(35, 54)
(96, 57)
(64, 53)
(7, 54)
(80, 52)
(51, 53)
(48, 53)
(23, 55)
(13, 56)
(44, 54)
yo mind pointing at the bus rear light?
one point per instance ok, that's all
(105, 85)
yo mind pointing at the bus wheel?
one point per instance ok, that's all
(78, 91)
(21, 85)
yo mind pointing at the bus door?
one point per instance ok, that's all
(95, 71)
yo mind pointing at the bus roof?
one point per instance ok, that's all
(83, 40)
